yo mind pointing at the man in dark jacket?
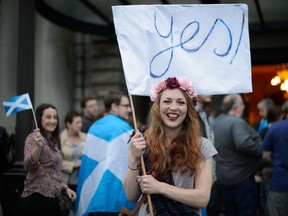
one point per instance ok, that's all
(89, 106)
(239, 157)
(275, 150)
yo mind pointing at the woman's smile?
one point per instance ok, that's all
(173, 108)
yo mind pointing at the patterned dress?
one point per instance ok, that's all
(44, 175)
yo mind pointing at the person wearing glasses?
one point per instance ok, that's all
(105, 160)
(117, 103)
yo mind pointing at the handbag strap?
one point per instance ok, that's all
(125, 211)
(138, 205)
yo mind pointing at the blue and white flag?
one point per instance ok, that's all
(17, 104)
(104, 165)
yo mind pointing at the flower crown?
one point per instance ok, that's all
(181, 82)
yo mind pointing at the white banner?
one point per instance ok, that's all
(208, 44)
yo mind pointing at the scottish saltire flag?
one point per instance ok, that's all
(103, 167)
(17, 104)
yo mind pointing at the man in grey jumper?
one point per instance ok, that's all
(238, 159)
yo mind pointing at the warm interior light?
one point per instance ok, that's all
(286, 85)
(275, 81)
(281, 78)
(282, 87)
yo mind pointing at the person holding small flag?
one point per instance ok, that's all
(43, 161)
(177, 159)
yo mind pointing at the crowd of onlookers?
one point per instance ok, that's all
(250, 172)
(251, 167)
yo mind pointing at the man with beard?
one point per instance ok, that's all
(89, 108)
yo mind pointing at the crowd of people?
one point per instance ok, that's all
(192, 166)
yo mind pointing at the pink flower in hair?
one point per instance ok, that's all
(181, 82)
(153, 96)
(160, 87)
(184, 83)
(192, 93)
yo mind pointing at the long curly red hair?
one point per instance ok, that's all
(184, 152)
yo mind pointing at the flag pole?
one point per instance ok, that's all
(141, 157)
(34, 118)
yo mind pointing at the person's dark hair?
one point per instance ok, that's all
(85, 99)
(266, 103)
(274, 114)
(112, 97)
(229, 102)
(70, 117)
(285, 107)
(54, 139)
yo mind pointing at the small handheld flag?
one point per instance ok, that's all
(18, 104)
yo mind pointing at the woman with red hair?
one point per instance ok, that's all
(177, 159)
